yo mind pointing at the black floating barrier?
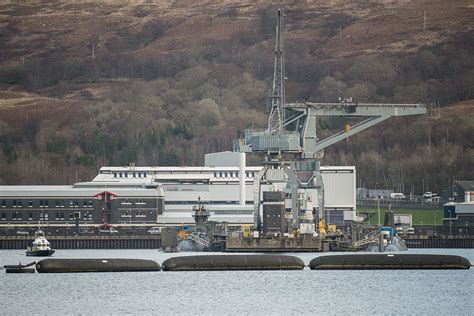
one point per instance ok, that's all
(19, 268)
(233, 262)
(388, 261)
(95, 265)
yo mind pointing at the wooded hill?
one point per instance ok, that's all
(87, 84)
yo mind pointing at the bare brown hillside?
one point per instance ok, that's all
(37, 28)
(88, 83)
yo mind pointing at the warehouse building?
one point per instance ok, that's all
(459, 218)
(165, 195)
(90, 204)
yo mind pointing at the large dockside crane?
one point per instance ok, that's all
(291, 144)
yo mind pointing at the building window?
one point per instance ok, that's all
(15, 215)
(126, 202)
(120, 174)
(30, 203)
(134, 174)
(115, 174)
(30, 216)
(76, 203)
(57, 203)
(41, 203)
(126, 214)
(140, 202)
(71, 216)
(87, 215)
(4, 216)
(46, 203)
(46, 216)
(90, 203)
(57, 216)
(20, 216)
(140, 214)
(4, 203)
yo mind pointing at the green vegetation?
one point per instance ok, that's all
(158, 89)
(420, 217)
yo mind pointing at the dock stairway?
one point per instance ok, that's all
(198, 240)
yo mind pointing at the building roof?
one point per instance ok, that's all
(466, 185)
(63, 191)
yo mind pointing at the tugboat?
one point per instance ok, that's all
(41, 246)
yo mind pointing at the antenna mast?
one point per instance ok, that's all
(277, 96)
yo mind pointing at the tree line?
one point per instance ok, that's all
(171, 109)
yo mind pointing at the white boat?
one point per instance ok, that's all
(41, 246)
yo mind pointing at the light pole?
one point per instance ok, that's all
(450, 224)
(378, 208)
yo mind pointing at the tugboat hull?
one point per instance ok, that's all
(40, 253)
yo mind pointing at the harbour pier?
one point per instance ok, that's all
(233, 244)
(86, 242)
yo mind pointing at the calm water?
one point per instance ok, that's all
(435, 292)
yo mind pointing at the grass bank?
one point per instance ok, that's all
(419, 217)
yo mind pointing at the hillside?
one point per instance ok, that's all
(85, 83)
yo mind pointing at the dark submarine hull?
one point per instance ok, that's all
(233, 262)
(96, 265)
(388, 261)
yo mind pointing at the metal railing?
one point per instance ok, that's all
(415, 204)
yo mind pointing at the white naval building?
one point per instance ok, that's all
(225, 186)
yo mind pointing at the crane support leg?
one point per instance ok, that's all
(256, 196)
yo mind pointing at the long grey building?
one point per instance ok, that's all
(91, 204)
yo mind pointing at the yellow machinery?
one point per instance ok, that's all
(245, 230)
(322, 227)
(182, 234)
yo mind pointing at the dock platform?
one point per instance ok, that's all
(276, 244)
